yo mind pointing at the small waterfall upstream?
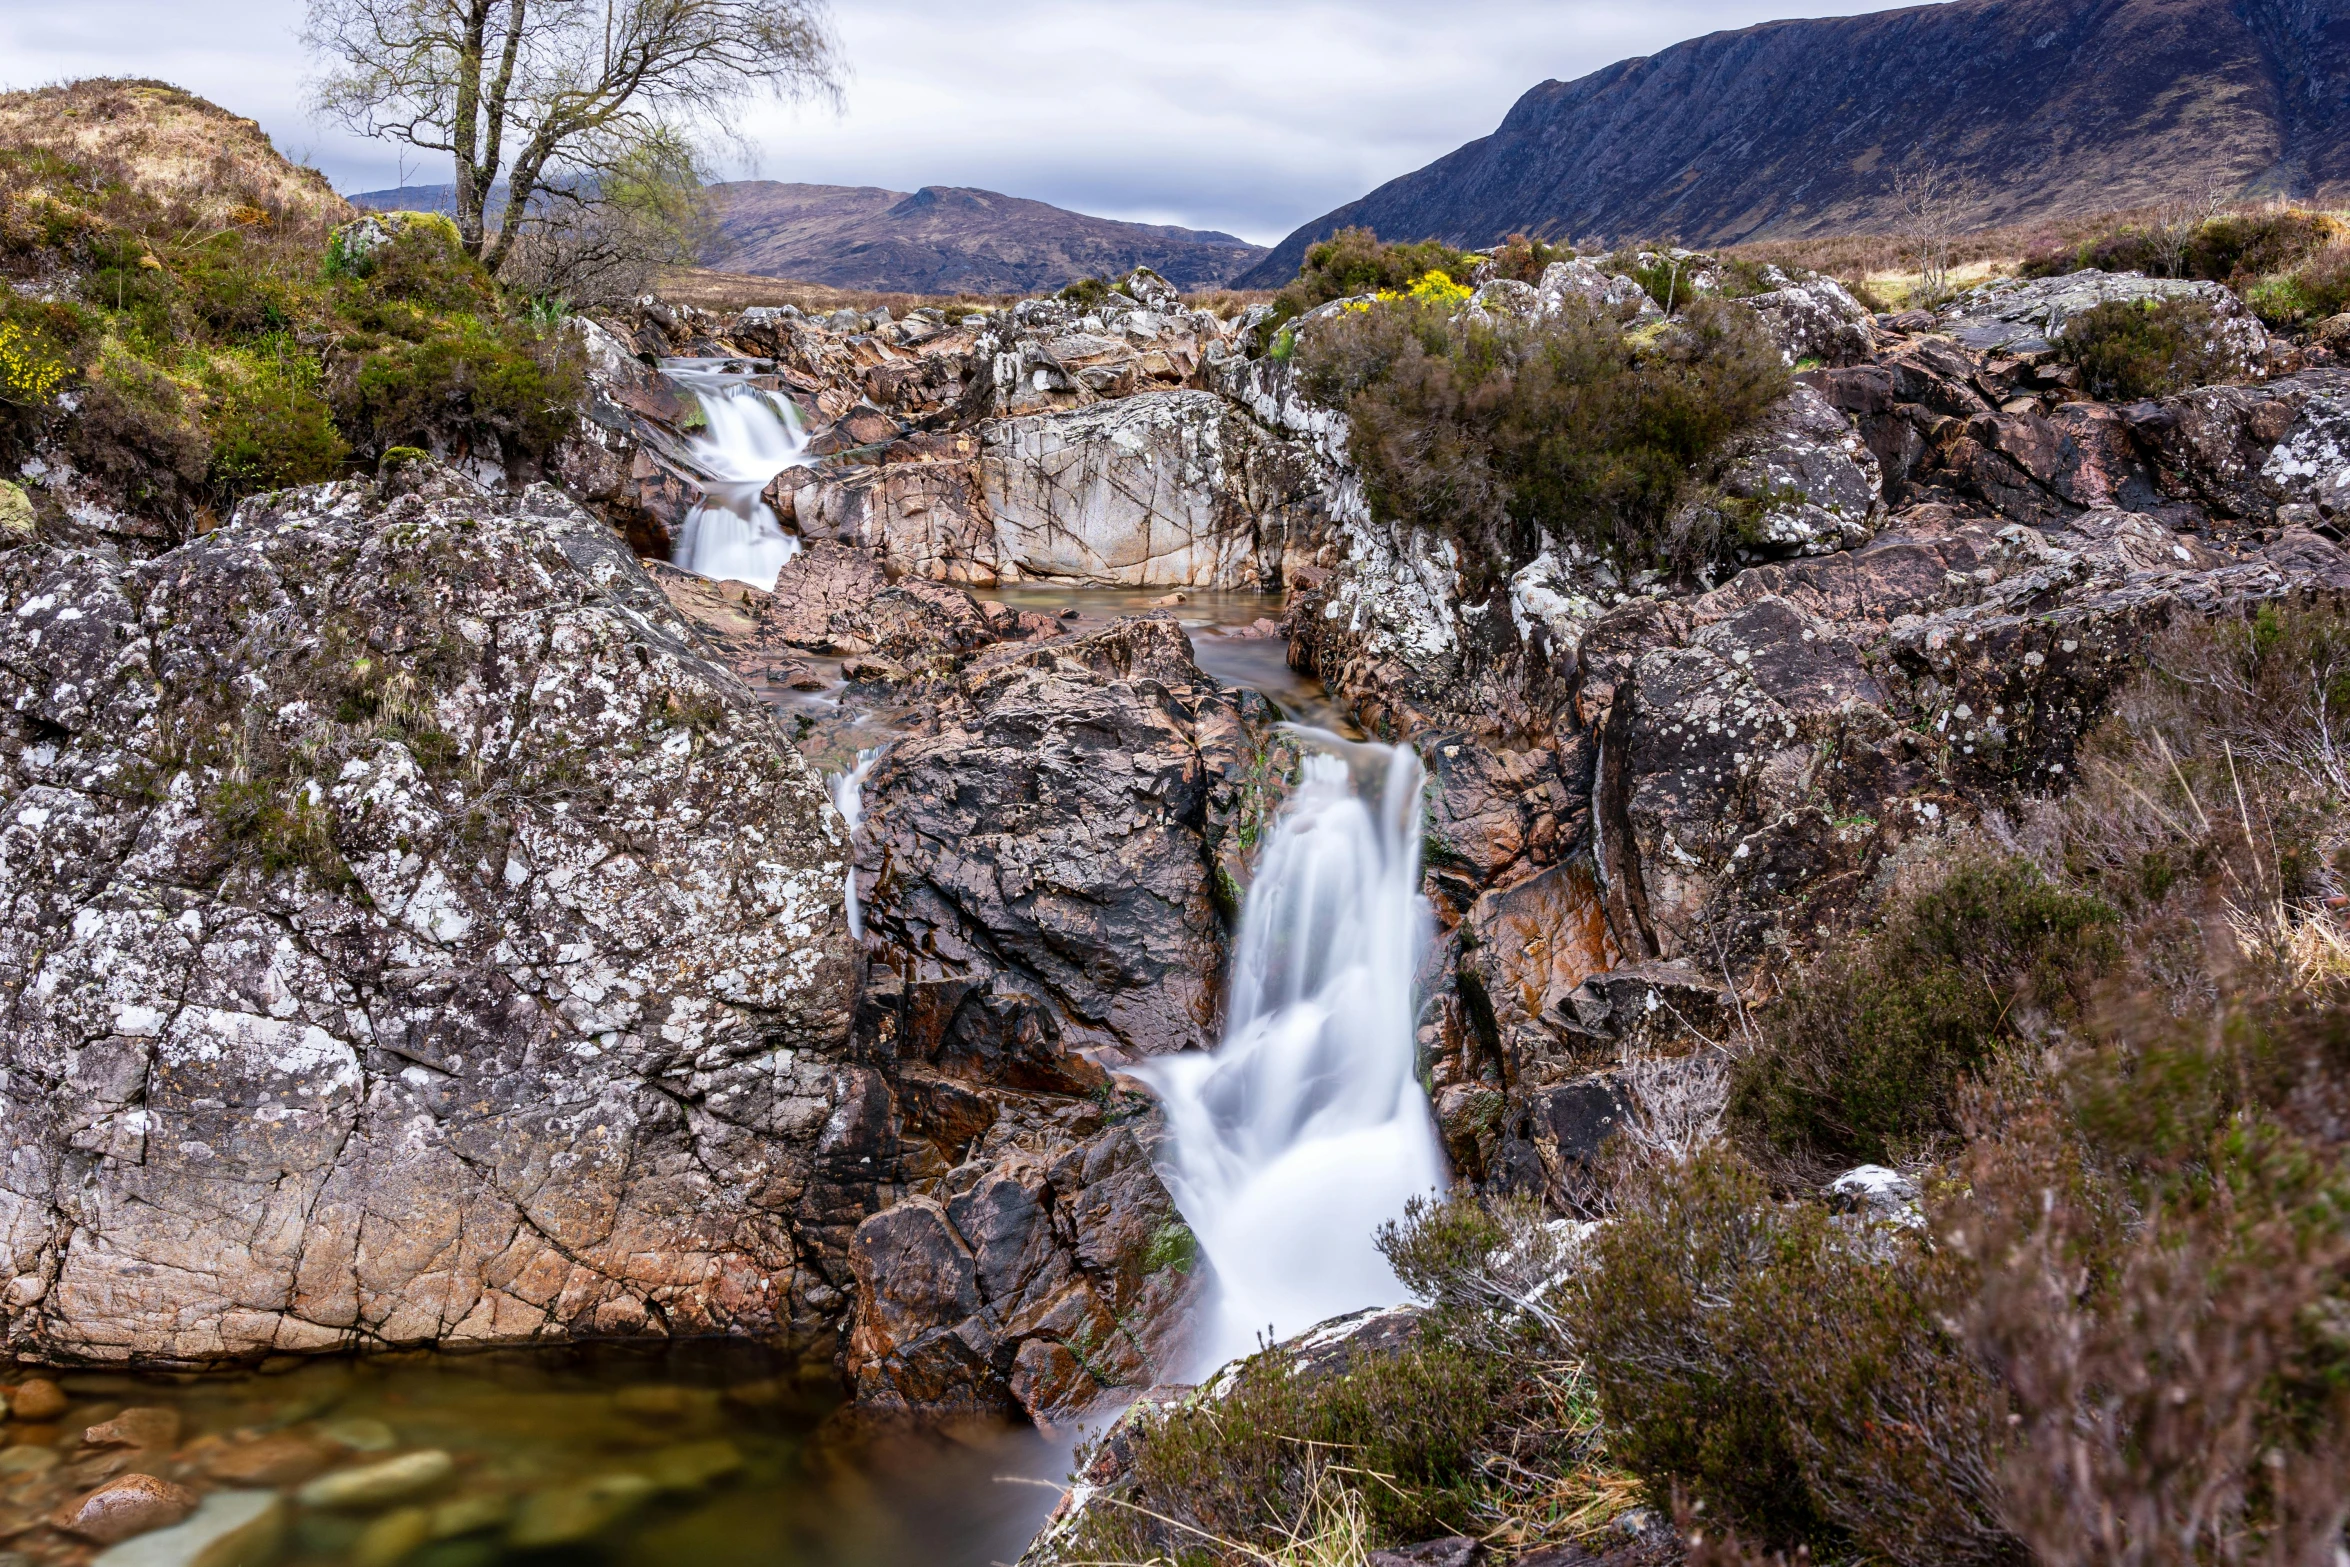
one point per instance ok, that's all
(848, 798)
(748, 436)
(1307, 1127)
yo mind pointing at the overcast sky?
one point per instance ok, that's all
(1249, 116)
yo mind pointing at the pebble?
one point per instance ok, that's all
(361, 1434)
(379, 1485)
(16, 1462)
(228, 1529)
(568, 1514)
(469, 1515)
(38, 1399)
(662, 1401)
(131, 1504)
(392, 1538)
(280, 1459)
(692, 1465)
(143, 1425)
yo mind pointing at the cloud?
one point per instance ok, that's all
(1244, 115)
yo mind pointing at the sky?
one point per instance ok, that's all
(1249, 116)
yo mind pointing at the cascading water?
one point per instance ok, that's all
(848, 798)
(748, 436)
(1306, 1127)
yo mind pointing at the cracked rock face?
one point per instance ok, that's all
(1161, 488)
(409, 938)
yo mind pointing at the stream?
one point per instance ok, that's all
(1289, 1144)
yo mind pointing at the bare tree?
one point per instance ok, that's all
(1931, 200)
(576, 91)
(2180, 218)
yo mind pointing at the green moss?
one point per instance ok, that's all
(1172, 1246)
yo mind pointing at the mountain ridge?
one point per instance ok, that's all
(938, 239)
(1788, 129)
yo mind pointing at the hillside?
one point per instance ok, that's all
(938, 240)
(155, 141)
(2041, 108)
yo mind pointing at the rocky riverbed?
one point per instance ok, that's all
(429, 928)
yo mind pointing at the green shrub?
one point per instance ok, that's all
(2133, 349)
(269, 421)
(1523, 259)
(1491, 432)
(1864, 1055)
(474, 386)
(1763, 1361)
(1244, 1469)
(137, 432)
(2318, 288)
(1355, 261)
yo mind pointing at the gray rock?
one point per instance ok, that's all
(1815, 319)
(410, 938)
(2027, 316)
(1812, 484)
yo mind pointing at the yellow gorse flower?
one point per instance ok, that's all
(1429, 288)
(27, 374)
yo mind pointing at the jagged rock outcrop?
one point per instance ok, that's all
(1043, 846)
(1046, 1285)
(412, 938)
(2020, 316)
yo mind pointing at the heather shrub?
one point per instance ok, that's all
(1862, 1059)
(138, 431)
(2133, 349)
(269, 423)
(1522, 259)
(1356, 261)
(2318, 288)
(1787, 1370)
(483, 388)
(1494, 432)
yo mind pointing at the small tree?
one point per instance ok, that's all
(2178, 219)
(558, 97)
(1931, 200)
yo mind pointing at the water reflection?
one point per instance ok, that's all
(710, 1453)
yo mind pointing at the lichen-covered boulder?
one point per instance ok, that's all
(1157, 489)
(407, 937)
(2017, 315)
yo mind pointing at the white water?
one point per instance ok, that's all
(848, 798)
(749, 436)
(1306, 1127)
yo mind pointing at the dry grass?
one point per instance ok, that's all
(170, 145)
(726, 292)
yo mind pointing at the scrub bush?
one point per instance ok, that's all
(1356, 261)
(2133, 349)
(1863, 1058)
(1494, 432)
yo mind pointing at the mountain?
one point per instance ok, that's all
(945, 239)
(2041, 108)
(941, 239)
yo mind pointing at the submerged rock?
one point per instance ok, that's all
(411, 938)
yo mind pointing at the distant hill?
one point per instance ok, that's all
(2043, 107)
(941, 239)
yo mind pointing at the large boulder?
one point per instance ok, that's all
(2020, 316)
(410, 938)
(1157, 489)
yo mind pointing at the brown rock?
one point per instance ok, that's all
(131, 1504)
(142, 1425)
(279, 1459)
(38, 1399)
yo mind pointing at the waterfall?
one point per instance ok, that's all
(848, 798)
(1306, 1127)
(748, 436)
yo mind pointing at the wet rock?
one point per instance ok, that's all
(1529, 947)
(279, 1459)
(693, 1466)
(17, 1462)
(360, 1434)
(1042, 1285)
(38, 1399)
(924, 520)
(130, 1504)
(379, 1484)
(1047, 835)
(502, 910)
(391, 1538)
(142, 1425)
(227, 1529)
(1552, 1136)
(571, 1514)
